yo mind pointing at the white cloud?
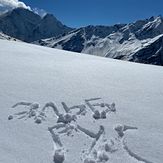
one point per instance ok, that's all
(40, 12)
(6, 5)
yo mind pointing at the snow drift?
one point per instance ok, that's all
(59, 106)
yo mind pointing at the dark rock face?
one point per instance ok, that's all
(100, 31)
(19, 23)
(151, 54)
(153, 28)
(27, 26)
(49, 26)
(75, 43)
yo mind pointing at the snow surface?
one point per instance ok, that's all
(39, 86)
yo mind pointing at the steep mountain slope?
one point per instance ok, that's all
(49, 26)
(19, 23)
(40, 85)
(25, 25)
(151, 53)
(122, 41)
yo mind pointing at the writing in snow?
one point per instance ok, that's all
(35, 111)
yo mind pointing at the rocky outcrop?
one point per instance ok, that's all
(151, 54)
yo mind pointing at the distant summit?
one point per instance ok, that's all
(28, 26)
(49, 26)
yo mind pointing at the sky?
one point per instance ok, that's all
(77, 13)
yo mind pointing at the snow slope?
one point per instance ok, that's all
(38, 76)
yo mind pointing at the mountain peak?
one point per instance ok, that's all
(22, 14)
(48, 16)
(22, 11)
(28, 26)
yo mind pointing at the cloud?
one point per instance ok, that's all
(6, 5)
(40, 12)
(13, 4)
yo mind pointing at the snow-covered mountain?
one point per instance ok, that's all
(27, 26)
(140, 41)
(62, 107)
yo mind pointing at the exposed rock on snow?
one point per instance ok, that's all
(6, 37)
(59, 156)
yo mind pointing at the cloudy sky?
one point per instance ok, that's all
(6, 5)
(77, 13)
(10, 4)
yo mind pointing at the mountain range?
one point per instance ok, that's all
(140, 41)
